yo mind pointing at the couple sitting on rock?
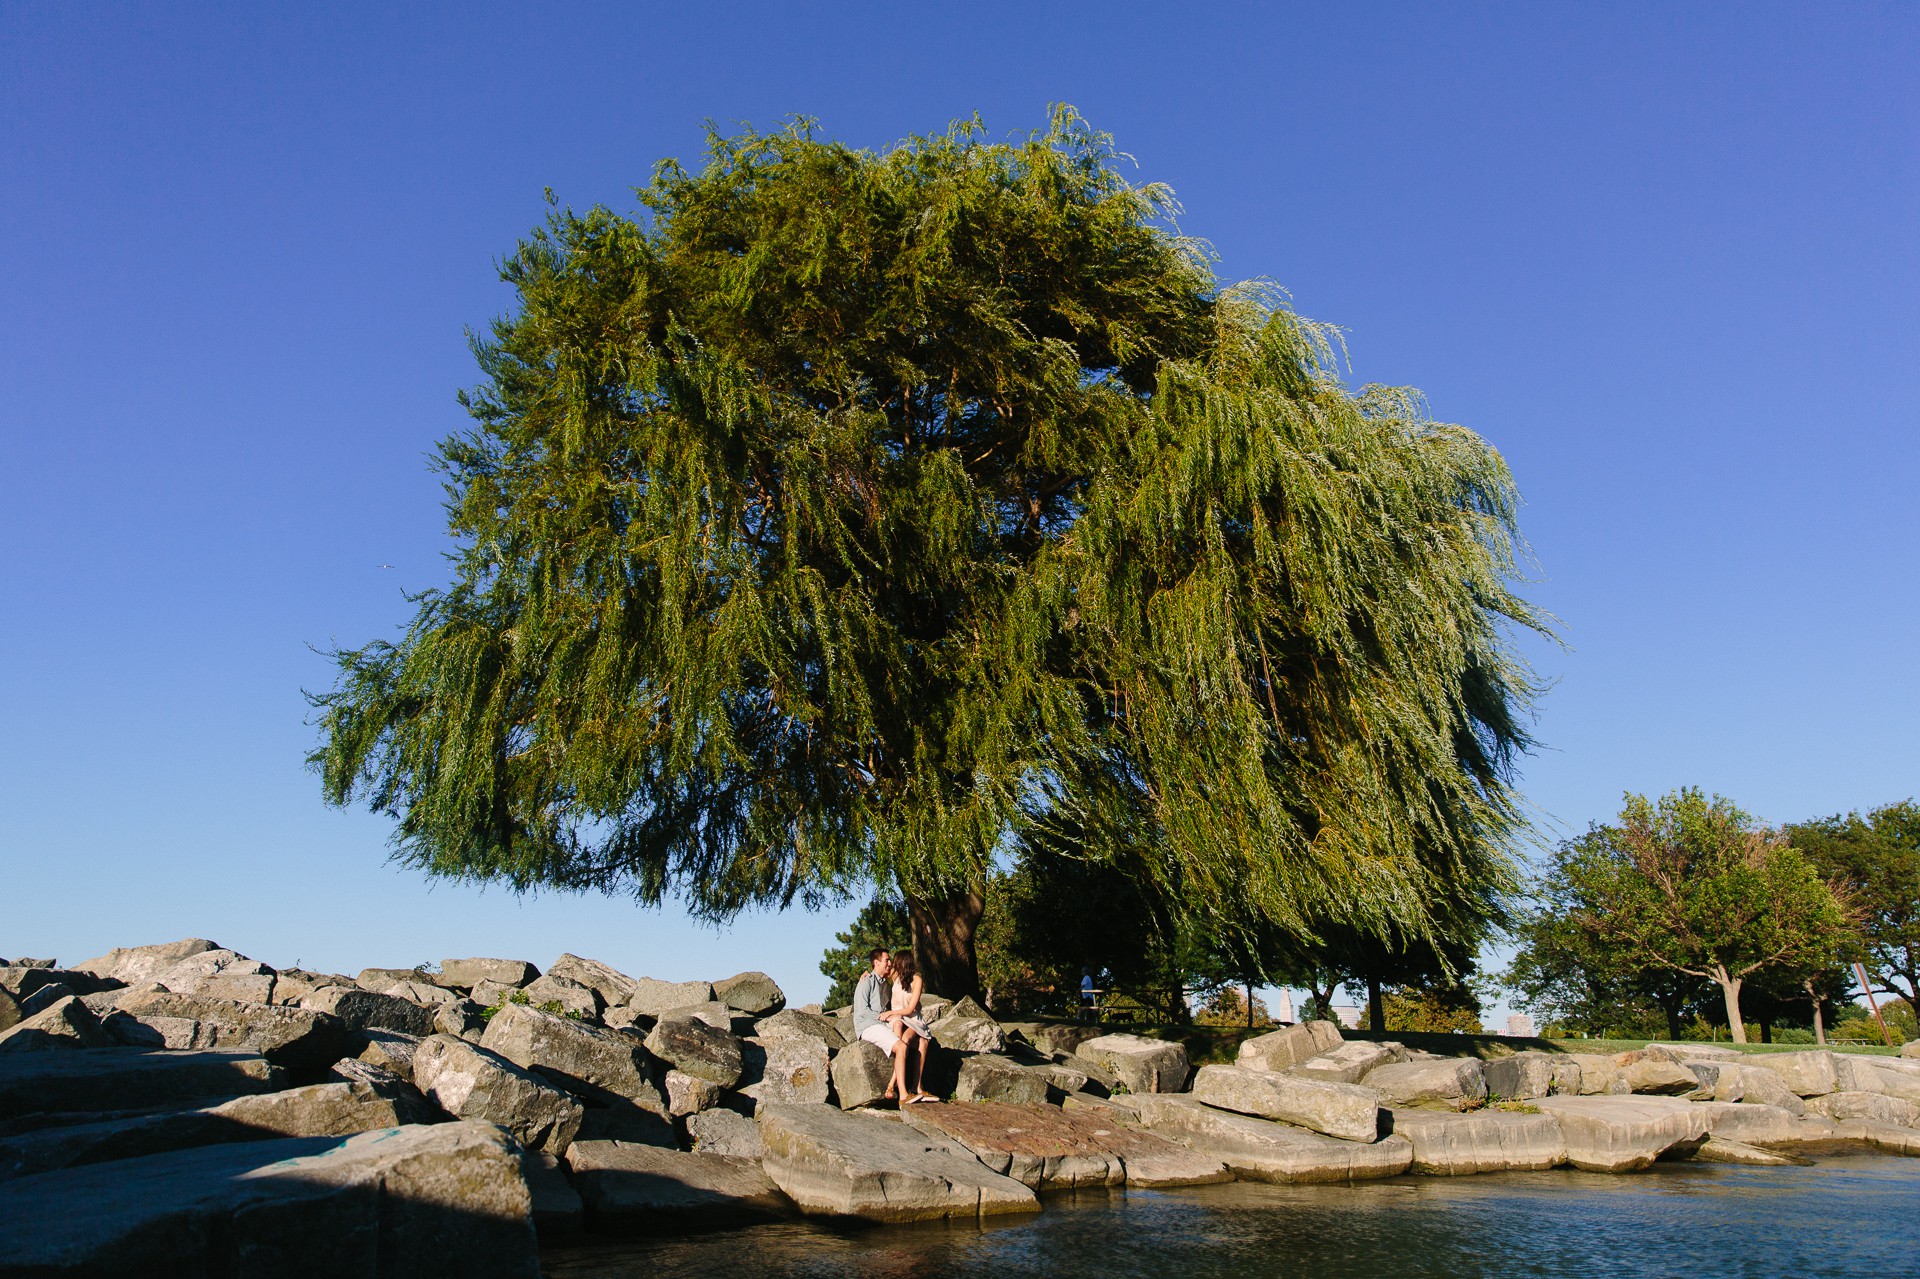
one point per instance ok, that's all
(886, 1013)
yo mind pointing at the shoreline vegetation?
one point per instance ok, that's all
(188, 1110)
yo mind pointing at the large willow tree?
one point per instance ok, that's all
(853, 518)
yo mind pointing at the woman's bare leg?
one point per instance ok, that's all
(920, 1074)
(901, 1051)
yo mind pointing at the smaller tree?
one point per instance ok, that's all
(1440, 1008)
(1697, 886)
(882, 923)
(1877, 857)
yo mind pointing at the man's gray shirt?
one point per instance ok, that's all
(870, 998)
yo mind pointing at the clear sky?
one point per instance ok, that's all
(1665, 257)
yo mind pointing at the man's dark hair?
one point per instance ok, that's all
(875, 953)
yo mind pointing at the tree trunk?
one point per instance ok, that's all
(1376, 1007)
(1766, 1030)
(943, 942)
(1672, 1010)
(1819, 1022)
(1249, 1005)
(1730, 990)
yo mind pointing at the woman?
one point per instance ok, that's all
(908, 986)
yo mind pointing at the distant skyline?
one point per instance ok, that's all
(1664, 259)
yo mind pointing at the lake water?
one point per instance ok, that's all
(1853, 1216)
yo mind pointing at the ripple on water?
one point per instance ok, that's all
(1854, 1216)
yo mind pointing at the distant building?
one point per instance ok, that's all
(1283, 1011)
(1348, 1017)
(1519, 1026)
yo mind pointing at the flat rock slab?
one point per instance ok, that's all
(610, 984)
(840, 1163)
(1738, 1082)
(1486, 1141)
(1626, 1134)
(725, 1132)
(367, 1009)
(755, 994)
(1450, 1083)
(1347, 1111)
(652, 997)
(471, 972)
(992, 1077)
(1034, 1144)
(402, 1202)
(1290, 1046)
(1750, 1122)
(1261, 1150)
(1142, 1064)
(94, 1079)
(1349, 1063)
(1724, 1150)
(644, 1189)
(1808, 1074)
(134, 964)
(292, 1037)
(1872, 1107)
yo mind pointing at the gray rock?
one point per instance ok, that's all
(292, 1037)
(469, 973)
(1525, 1075)
(1808, 1074)
(140, 963)
(810, 1025)
(1910, 1049)
(602, 1066)
(1658, 1076)
(1142, 1064)
(653, 998)
(725, 1132)
(688, 1094)
(1350, 1062)
(1446, 1145)
(1873, 1107)
(1750, 1122)
(647, 1190)
(695, 1048)
(472, 1082)
(1261, 1150)
(1722, 1150)
(626, 1017)
(492, 994)
(713, 1012)
(1889, 1075)
(969, 1034)
(989, 1077)
(1033, 1143)
(557, 1208)
(610, 984)
(569, 995)
(755, 994)
(1067, 1077)
(1599, 1075)
(839, 1163)
(1346, 1111)
(462, 1018)
(47, 996)
(381, 980)
(395, 1204)
(861, 1073)
(624, 1121)
(1685, 1053)
(1450, 1083)
(245, 988)
(1281, 1049)
(1626, 1134)
(67, 1025)
(787, 1069)
(95, 1079)
(194, 974)
(1735, 1081)
(10, 1013)
(370, 1010)
(1059, 1038)
(388, 1049)
(424, 993)
(159, 1032)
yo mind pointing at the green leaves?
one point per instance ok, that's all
(855, 517)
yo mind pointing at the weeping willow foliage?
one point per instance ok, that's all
(852, 517)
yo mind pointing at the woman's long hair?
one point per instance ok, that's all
(904, 969)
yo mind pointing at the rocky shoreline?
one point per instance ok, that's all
(183, 1109)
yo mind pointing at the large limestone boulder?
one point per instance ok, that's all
(860, 1073)
(810, 1025)
(1890, 1075)
(292, 1037)
(1346, 1111)
(389, 1050)
(395, 1204)
(1262, 1150)
(1525, 1075)
(1751, 1122)
(1625, 1134)
(600, 1065)
(652, 998)
(787, 1069)
(965, 1027)
(1033, 1143)
(552, 989)
(1808, 1074)
(557, 1210)
(193, 975)
(695, 1048)
(755, 994)
(370, 1010)
(10, 1013)
(648, 1190)
(610, 984)
(96, 1079)
(1289, 1046)
(1441, 1083)
(1350, 1062)
(1685, 1053)
(1142, 1064)
(318, 1110)
(66, 1024)
(725, 1132)
(1874, 1107)
(1600, 1075)
(713, 1012)
(472, 1082)
(1910, 1049)
(689, 1094)
(1657, 1076)
(469, 973)
(991, 1077)
(1058, 1038)
(1447, 1145)
(134, 964)
(841, 1163)
(1736, 1081)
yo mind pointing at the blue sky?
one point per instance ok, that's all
(1665, 257)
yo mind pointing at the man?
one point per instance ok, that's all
(875, 1021)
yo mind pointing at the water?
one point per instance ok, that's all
(1853, 1216)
